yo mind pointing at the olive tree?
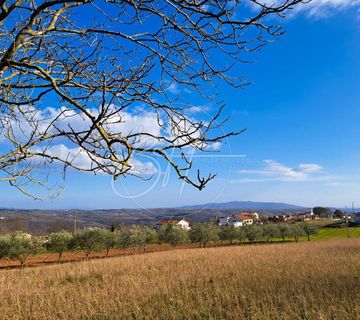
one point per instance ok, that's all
(89, 240)
(284, 230)
(110, 241)
(4, 247)
(309, 230)
(270, 231)
(228, 233)
(173, 234)
(253, 232)
(78, 91)
(151, 236)
(241, 234)
(139, 237)
(203, 233)
(59, 242)
(296, 231)
(22, 245)
(124, 237)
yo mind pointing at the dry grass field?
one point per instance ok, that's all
(316, 280)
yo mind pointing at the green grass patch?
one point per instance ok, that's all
(334, 233)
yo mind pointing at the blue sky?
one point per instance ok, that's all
(302, 117)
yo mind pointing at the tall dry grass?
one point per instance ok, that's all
(287, 281)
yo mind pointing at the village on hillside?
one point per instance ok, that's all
(245, 218)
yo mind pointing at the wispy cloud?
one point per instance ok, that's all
(173, 88)
(276, 171)
(326, 8)
(313, 9)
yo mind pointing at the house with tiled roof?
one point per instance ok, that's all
(239, 220)
(184, 224)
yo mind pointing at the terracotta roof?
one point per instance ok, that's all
(243, 216)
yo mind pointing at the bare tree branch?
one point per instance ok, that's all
(73, 72)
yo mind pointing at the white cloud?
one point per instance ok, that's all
(325, 8)
(215, 146)
(313, 8)
(310, 167)
(277, 171)
(80, 159)
(120, 123)
(173, 88)
(145, 126)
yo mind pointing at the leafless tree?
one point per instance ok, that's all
(93, 84)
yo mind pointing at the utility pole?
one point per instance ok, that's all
(75, 222)
(347, 221)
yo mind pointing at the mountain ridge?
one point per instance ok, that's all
(245, 205)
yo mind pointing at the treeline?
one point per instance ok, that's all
(19, 245)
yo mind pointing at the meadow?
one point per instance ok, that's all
(305, 280)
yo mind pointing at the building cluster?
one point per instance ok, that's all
(248, 218)
(239, 220)
(297, 216)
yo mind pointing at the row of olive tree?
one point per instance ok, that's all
(204, 233)
(19, 246)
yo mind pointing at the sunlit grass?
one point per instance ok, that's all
(307, 280)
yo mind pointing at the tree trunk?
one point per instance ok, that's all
(308, 237)
(60, 254)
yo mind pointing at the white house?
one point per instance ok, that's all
(304, 216)
(179, 222)
(245, 217)
(223, 221)
(238, 220)
(239, 223)
(255, 215)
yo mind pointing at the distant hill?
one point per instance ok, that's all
(45, 221)
(245, 205)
